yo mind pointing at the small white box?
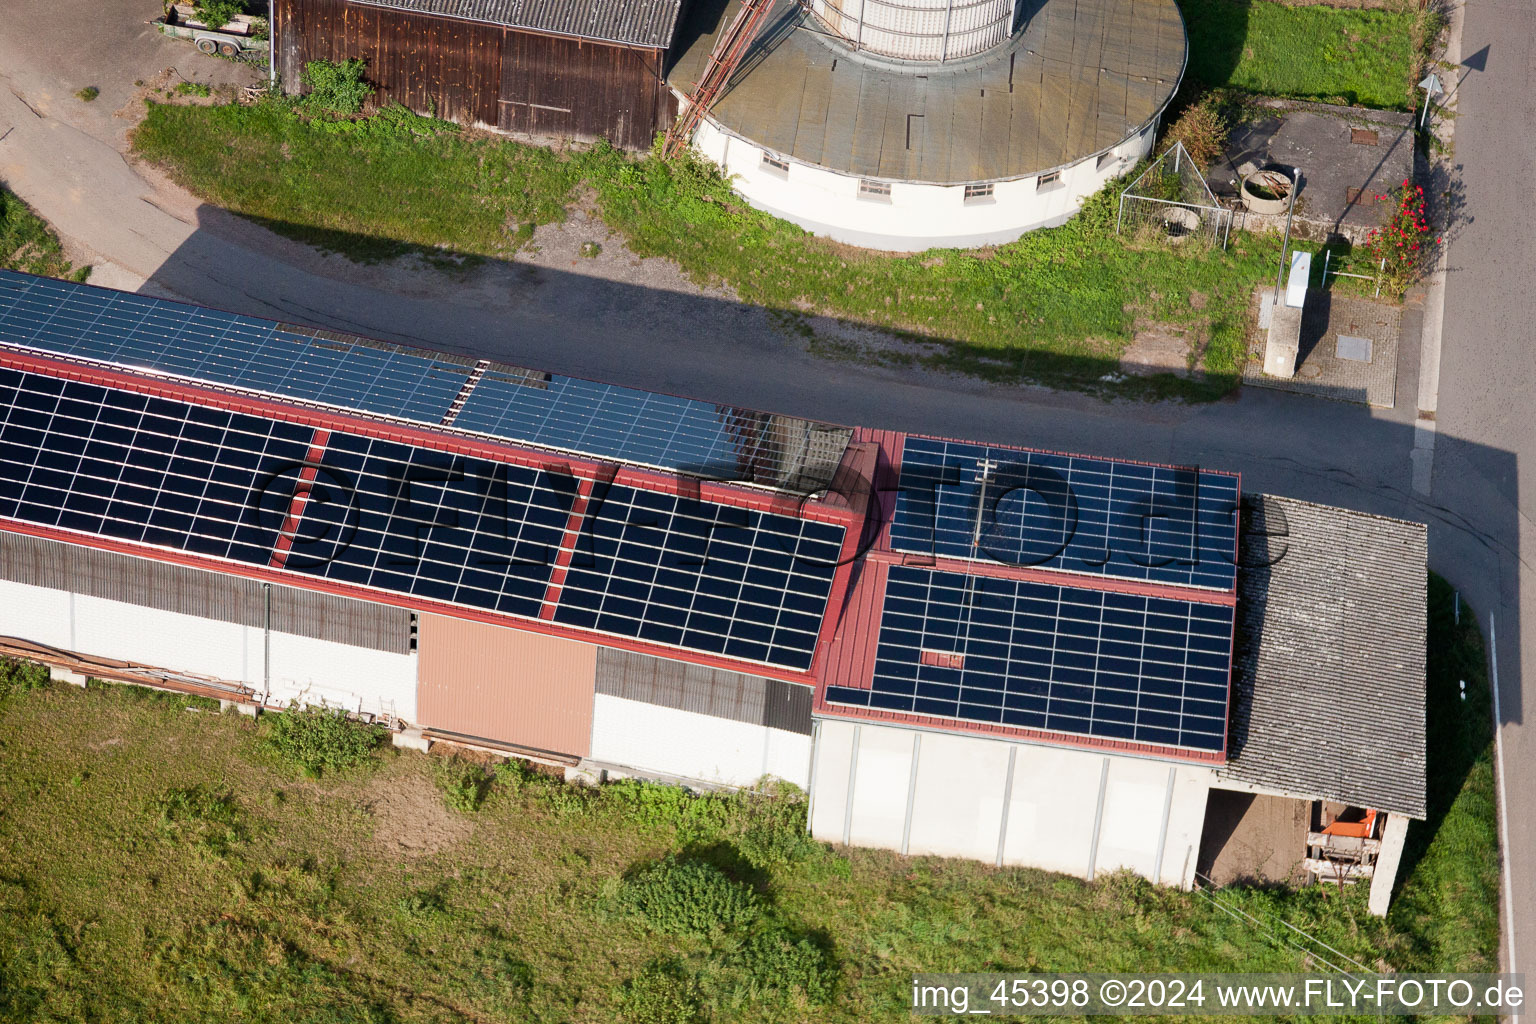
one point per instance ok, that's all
(1296, 286)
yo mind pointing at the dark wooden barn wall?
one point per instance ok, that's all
(480, 74)
(582, 90)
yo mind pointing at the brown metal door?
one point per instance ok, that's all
(506, 686)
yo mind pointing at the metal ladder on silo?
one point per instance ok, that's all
(726, 57)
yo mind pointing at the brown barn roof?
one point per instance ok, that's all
(1077, 78)
(647, 23)
(1328, 679)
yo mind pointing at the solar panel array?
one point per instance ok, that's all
(448, 528)
(599, 420)
(207, 345)
(678, 571)
(136, 468)
(1068, 512)
(1057, 658)
(629, 425)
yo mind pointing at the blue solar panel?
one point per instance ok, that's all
(599, 420)
(730, 581)
(132, 467)
(143, 333)
(1061, 659)
(628, 425)
(1067, 512)
(433, 525)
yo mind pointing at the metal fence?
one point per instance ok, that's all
(1170, 202)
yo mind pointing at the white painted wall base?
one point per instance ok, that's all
(304, 669)
(917, 215)
(1074, 811)
(688, 745)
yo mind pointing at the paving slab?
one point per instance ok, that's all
(1348, 349)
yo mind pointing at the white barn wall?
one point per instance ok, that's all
(650, 738)
(39, 614)
(302, 668)
(917, 216)
(960, 788)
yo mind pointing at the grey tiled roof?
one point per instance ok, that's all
(628, 22)
(1328, 678)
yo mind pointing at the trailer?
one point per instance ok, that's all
(237, 39)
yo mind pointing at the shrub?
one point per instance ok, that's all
(193, 89)
(1406, 242)
(694, 816)
(663, 993)
(21, 676)
(465, 785)
(1202, 127)
(318, 740)
(336, 88)
(774, 961)
(87, 94)
(217, 13)
(689, 897)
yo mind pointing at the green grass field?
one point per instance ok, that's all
(1058, 306)
(27, 244)
(1357, 57)
(159, 862)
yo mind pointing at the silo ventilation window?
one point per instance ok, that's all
(1046, 182)
(775, 165)
(978, 193)
(877, 190)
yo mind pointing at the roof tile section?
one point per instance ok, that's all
(647, 23)
(1328, 687)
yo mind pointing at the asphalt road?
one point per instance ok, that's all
(68, 164)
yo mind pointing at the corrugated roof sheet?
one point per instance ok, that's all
(1077, 79)
(1328, 681)
(648, 23)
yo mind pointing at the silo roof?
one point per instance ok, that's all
(1077, 78)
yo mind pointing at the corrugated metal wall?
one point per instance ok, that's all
(475, 73)
(705, 691)
(209, 595)
(508, 686)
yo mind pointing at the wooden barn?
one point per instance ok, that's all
(584, 69)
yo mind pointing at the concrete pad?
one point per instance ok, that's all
(410, 739)
(1284, 342)
(64, 675)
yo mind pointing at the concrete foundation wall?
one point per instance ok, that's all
(302, 668)
(1078, 812)
(915, 216)
(651, 738)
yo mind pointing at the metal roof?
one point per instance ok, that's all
(647, 23)
(1079, 77)
(1328, 681)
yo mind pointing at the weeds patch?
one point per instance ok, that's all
(321, 741)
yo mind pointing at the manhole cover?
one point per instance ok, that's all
(1358, 349)
(1363, 137)
(1309, 371)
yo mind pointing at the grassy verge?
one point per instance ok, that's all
(164, 864)
(1358, 57)
(1058, 306)
(27, 244)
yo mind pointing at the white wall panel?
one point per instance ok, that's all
(325, 672)
(1050, 814)
(957, 805)
(648, 737)
(35, 613)
(168, 640)
(1134, 797)
(880, 786)
(829, 798)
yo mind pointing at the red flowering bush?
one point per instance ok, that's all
(1405, 247)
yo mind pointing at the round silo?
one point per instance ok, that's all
(920, 30)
